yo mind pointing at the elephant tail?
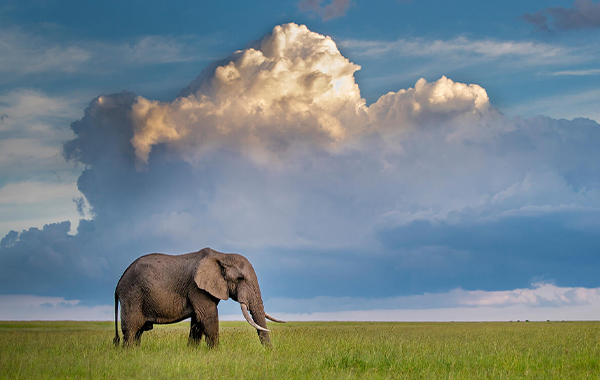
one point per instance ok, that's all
(117, 339)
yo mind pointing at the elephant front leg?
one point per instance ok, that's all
(211, 329)
(206, 314)
(209, 320)
(196, 332)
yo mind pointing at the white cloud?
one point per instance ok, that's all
(541, 295)
(20, 220)
(20, 150)
(27, 110)
(578, 72)
(36, 192)
(36, 308)
(148, 50)
(34, 204)
(158, 50)
(24, 53)
(460, 47)
(416, 106)
(295, 85)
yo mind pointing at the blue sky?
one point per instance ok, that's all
(374, 160)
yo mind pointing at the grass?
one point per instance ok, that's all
(309, 350)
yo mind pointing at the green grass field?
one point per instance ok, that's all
(315, 350)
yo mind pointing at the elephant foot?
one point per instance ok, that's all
(192, 342)
(212, 342)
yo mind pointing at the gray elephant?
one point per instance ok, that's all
(159, 288)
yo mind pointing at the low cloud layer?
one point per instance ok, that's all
(542, 301)
(538, 295)
(453, 314)
(35, 308)
(274, 154)
(584, 14)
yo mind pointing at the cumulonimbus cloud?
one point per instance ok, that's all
(290, 103)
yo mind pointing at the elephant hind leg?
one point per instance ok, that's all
(131, 335)
(132, 325)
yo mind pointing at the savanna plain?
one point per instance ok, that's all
(307, 350)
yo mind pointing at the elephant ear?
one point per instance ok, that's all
(209, 277)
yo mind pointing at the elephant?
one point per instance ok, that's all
(160, 288)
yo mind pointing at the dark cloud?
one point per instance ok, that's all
(46, 261)
(335, 9)
(538, 19)
(585, 14)
(9, 240)
(425, 256)
(103, 134)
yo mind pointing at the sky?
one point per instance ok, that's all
(383, 160)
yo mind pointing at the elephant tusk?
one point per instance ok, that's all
(249, 318)
(274, 319)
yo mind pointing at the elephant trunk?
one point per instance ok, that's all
(258, 315)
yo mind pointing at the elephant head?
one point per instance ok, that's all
(229, 275)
